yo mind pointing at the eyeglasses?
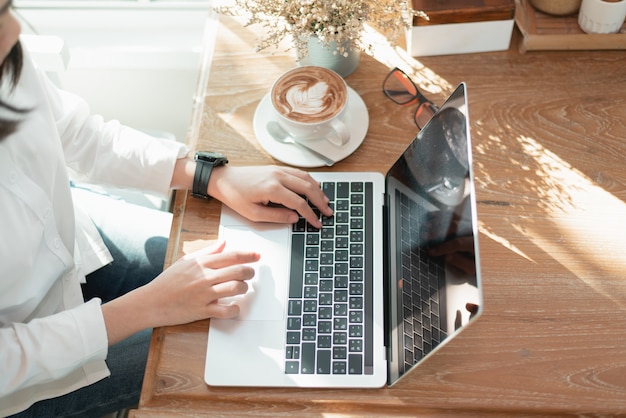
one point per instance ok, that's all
(401, 90)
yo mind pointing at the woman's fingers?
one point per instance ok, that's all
(226, 259)
(215, 248)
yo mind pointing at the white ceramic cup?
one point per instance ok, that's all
(310, 103)
(602, 16)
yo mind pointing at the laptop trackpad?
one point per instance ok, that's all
(266, 291)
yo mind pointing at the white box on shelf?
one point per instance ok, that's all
(460, 26)
(460, 38)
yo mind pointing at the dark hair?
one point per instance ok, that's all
(12, 65)
(12, 68)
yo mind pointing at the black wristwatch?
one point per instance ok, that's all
(205, 161)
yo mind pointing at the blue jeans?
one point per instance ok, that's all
(137, 238)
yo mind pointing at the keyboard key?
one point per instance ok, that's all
(325, 327)
(340, 296)
(341, 282)
(312, 239)
(326, 272)
(293, 337)
(325, 312)
(326, 286)
(324, 341)
(309, 320)
(356, 346)
(312, 252)
(356, 249)
(311, 265)
(343, 189)
(341, 242)
(355, 364)
(356, 302)
(309, 334)
(310, 292)
(356, 186)
(294, 323)
(340, 353)
(356, 317)
(356, 262)
(342, 204)
(340, 309)
(339, 367)
(311, 278)
(307, 362)
(292, 367)
(342, 255)
(294, 307)
(329, 190)
(356, 288)
(327, 245)
(340, 338)
(326, 258)
(326, 299)
(342, 230)
(341, 269)
(342, 217)
(323, 362)
(356, 236)
(340, 324)
(355, 331)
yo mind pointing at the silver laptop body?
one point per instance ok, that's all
(366, 313)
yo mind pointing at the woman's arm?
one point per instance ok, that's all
(249, 190)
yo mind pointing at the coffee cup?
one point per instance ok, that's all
(310, 103)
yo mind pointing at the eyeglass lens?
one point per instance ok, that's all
(401, 90)
(424, 113)
(399, 87)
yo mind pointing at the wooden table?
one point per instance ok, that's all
(549, 144)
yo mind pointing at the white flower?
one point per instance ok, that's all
(329, 20)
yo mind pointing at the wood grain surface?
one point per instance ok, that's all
(546, 32)
(549, 145)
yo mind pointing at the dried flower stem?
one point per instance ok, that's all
(340, 21)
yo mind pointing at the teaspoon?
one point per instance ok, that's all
(280, 135)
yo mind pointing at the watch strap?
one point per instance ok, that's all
(201, 179)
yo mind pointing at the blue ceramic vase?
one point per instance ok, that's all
(328, 57)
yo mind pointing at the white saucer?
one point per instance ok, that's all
(356, 118)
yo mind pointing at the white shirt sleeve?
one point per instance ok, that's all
(108, 152)
(27, 348)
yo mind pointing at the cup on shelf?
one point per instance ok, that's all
(602, 16)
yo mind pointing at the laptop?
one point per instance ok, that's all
(360, 303)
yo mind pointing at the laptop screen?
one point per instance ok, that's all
(432, 280)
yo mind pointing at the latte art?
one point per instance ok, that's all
(309, 94)
(308, 100)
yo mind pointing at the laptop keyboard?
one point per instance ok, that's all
(330, 290)
(422, 278)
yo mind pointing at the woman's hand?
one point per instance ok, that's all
(250, 190)
(187, 291)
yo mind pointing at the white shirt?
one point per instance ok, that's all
(51, 342)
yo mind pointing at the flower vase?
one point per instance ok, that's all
(328, 56)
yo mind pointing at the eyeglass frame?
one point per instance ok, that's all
(418, 97)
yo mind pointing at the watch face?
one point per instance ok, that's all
(211, 156)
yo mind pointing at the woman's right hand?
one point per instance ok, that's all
(187, 291)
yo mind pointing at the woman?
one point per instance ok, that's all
(57, 347)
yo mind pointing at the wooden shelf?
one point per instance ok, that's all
(545, 32)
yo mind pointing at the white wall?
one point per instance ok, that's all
(134, 60)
